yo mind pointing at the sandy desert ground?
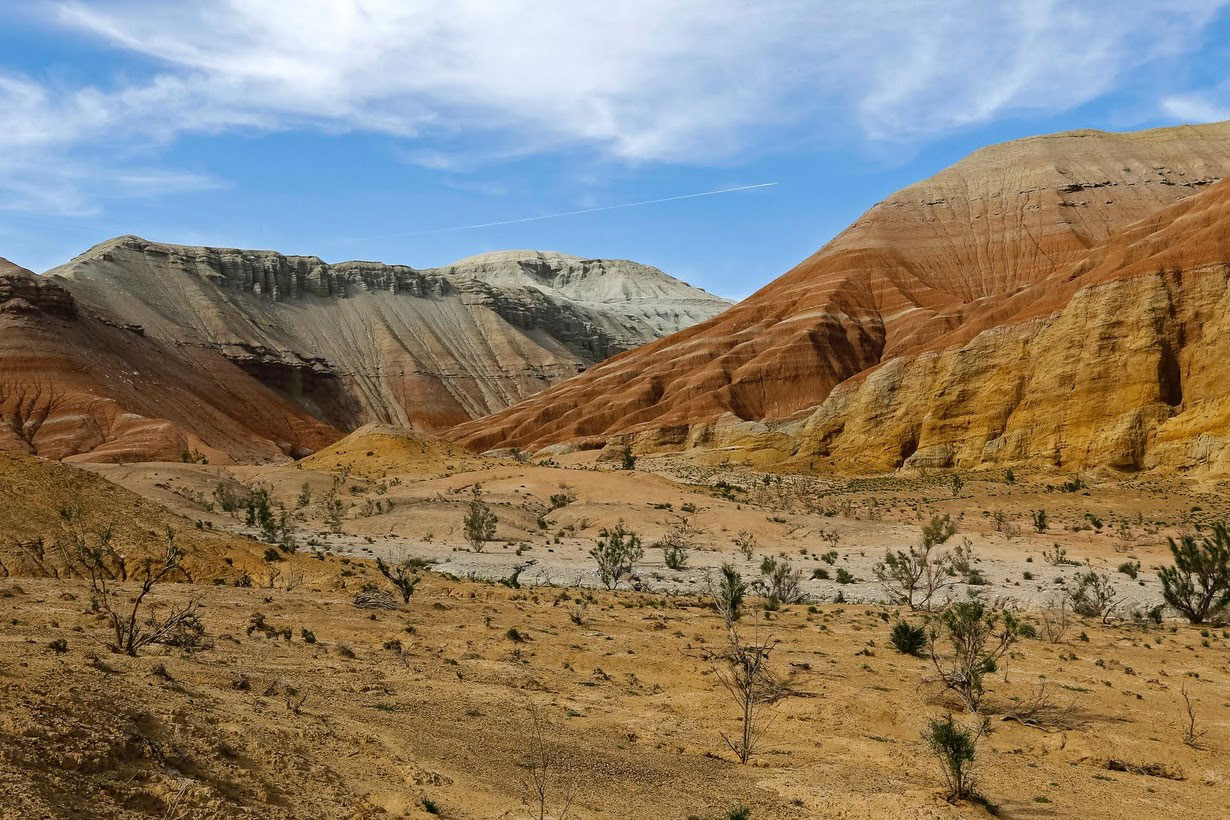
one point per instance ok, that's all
(305, 705)
(388, 710)
(396, 514)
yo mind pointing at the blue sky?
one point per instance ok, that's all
(312, 127)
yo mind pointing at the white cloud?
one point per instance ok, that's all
(635, 80)
(1212, 106)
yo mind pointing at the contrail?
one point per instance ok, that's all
(565, 213)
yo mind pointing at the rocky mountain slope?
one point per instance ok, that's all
(75, 384)
(965, 267)
(362, 341)
(139, 351)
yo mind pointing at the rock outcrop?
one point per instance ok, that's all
(358, 342)
(1036, 302)
(1129, 373)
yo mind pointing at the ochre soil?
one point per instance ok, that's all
(434, 704)
(388, 713)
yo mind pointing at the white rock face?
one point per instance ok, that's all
(638, 292)
(357, 342)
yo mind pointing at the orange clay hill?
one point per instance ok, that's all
(376, 450)
(1052, 300)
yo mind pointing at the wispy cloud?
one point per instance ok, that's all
(638, 81)
(578, 212)
(1207, 106)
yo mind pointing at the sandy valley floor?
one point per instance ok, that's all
(431, 702)
(426, 708)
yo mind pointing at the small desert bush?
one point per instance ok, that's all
(1198, 584)
(728, 594)
(615, 554)
(954, 747)
(779, 582)
(908, 639)
(976, 639)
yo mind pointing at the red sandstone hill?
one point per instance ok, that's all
(933, 265)
(74, 384)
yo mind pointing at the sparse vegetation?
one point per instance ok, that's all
(1042, 711)
(630, 675)
(1055, 620)
(402, 576)
(745, 673)
(676, 542)
(728, 594)
(335, 513)
(1057, 556)
(1197, 585)
(479, 521)
(1094, 596)
(616, 552)
(915, 577)
(274, 525)
(627, 459)
(563, 498)
(908, 638)
(779, 582)
(193, 456)
(976, 639)
(1192, 733)
(549, 780)
(92, 554)
(954, 746)
(746, 544)
(1041, 522)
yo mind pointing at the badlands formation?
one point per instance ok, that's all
(79, 385)
(140, 351)
(1051, 301)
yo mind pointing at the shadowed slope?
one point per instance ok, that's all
(36, 490)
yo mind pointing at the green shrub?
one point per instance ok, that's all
(1198, 585)
(615, 554)
(627, 459)
(908, 639)
(978, 639)
(953, 746)
(779, 582)
(728, 594)
(479, 521)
